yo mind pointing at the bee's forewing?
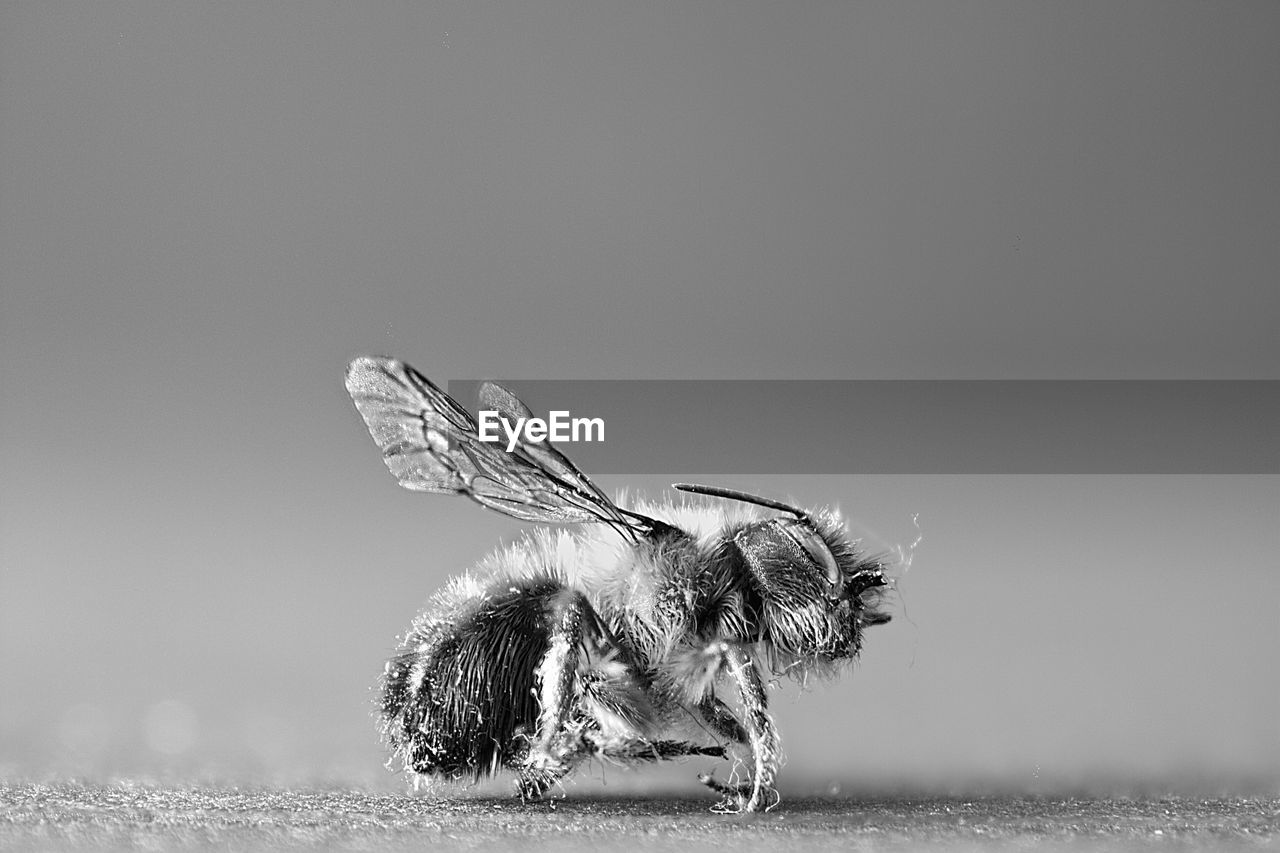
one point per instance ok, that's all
(410, 420)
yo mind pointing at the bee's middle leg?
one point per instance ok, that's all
(551, 753)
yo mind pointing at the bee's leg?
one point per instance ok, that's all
(533, 783)
(657, 750)
(722, 720)
(758, 795)
(551, 752)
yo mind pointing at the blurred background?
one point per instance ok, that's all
(206, 211)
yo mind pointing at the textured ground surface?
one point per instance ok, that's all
(129, 816)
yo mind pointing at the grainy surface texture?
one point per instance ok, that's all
(128, 816)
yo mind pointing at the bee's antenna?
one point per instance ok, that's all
(735, 495)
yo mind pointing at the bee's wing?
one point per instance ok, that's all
(544, 456)
(431, 444)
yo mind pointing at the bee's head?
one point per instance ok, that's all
(816, 590)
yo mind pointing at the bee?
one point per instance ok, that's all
(609, 640)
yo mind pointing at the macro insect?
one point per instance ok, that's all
(612, 638)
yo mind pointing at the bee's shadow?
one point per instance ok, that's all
(600, 805)
(656, 804)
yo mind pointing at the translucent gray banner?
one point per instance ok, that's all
(914, 427)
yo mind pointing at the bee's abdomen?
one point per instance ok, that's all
(456, 699)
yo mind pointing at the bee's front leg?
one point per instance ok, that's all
(758, 794)
(721, 719)
(553, 746)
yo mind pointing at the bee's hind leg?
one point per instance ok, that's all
(555, 747)
(533, 783)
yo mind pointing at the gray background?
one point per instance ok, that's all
(206, 210)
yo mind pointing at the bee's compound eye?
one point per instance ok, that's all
(808, 539)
